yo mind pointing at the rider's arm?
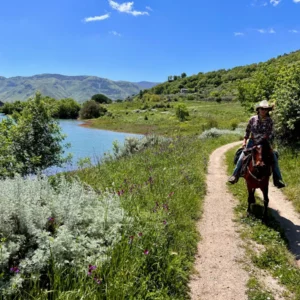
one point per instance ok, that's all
(247, 133)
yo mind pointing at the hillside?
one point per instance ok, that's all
(224, 83)
(58, 86)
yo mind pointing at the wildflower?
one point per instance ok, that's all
(91, 269)
(98, 281)
(165, 222)
(131, 239)
(146, 252)
(51, 219)
(140, 234)
(166, 207)
(15, 270)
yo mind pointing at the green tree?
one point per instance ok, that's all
(102, 99)
(31, 140)
(66, 109)
(183, 75)
(91, 109)
(287, 107)
(182, 112)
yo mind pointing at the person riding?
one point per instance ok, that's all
(259, 127)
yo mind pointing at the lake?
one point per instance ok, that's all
(86, 142)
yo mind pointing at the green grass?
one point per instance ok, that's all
(162, 189)
(275, 256)
(163, 121)
(256, 291)
(289, 163)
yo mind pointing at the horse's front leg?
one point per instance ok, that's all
(266, 203)
(251, 198)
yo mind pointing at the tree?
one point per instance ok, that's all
(182, 112)
(287, 107)
(91, 109)
(66, 109)
(183, 75)
(31, 140)
(102, 99)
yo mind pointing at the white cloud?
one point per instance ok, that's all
(96, 18)
(276, 2)
(113, 32)
(262, 31)
(294, 30)
(239, 34)
(126, 7)
(296, 1)
(149, 8)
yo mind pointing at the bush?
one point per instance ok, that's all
(91, 109)
(44, 228)
(234, 124)
(287, 109)
(215, 133)
(66, 109)
(182, 112)
(102, 99)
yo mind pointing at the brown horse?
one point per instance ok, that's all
(257, 174)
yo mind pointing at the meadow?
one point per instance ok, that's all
(147, 239)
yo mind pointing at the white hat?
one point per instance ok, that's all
(264, 104)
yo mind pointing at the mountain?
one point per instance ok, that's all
(80, 88)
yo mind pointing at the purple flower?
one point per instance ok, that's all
(14, 270)
(89, 273)
(166, 207)
(146, 252)
(92, 268)
(98, 281)
(165, 222)
(51, 219)
(140, 234)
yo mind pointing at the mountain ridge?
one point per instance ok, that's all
(80, 87)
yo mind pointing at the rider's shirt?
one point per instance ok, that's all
(258, 128)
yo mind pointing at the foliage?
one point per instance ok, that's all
(61, 109)
(182, 112)
(183, 75)
(102, 99)
(66, 109)
(287, 112)
(31, 140)
(215, 133)
(133, 145)
(42, 227)
(91, 109)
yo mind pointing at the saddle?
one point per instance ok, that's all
(247, 158)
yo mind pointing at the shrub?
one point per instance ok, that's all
(42, 227)
(100, 98)
(287, 112)
(91, 109)
(133, 145)
(214, 133)
(182, 112)
(234, 124)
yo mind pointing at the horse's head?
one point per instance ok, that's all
(261, 158)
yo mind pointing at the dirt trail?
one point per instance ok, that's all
(220, 275)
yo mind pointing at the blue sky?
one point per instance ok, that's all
(143, 39)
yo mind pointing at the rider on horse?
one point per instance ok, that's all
(259, 127)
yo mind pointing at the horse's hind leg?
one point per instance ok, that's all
(266, 203)
(251, 198)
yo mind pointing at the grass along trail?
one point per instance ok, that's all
(284, 212)
(220, 275)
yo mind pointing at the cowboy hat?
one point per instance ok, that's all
(264, 104)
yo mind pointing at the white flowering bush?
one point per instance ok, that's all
(68, 225)
(215, 132)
